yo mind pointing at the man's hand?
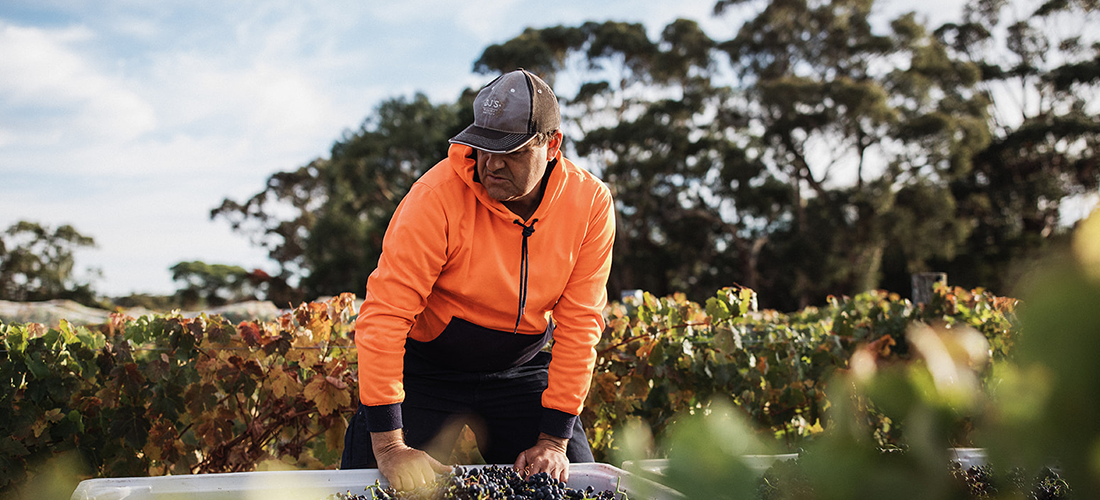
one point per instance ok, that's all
(548, 455)
(406, 468)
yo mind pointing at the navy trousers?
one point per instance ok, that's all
(504, 409)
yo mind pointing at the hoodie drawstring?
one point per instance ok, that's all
(523, 273)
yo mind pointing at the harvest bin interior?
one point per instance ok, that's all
(320, 484)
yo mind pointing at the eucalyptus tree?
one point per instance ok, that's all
(648, 117)
(1040, 65)
(865, 128)
(814, 152)
(38, 263)
(783, 158)
(211, 285)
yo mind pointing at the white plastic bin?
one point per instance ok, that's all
(657, 466)
(966, 457)
(317, 485)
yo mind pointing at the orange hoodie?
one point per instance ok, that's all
(452, 255)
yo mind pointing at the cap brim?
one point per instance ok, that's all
(492, 141)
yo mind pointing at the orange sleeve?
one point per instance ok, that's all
(579, 312)
(414, 251)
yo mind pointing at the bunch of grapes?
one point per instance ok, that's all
(980, 482)
(487, 483)
(1050, 486)
(976, 479)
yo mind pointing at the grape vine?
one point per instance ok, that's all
(168, 394)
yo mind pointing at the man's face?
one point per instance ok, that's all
(515, 176)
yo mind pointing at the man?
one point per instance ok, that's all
(496, 250)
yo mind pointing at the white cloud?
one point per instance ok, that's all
(413, 11)
(201, 96)
(135, 145)
(37, 62)
(72, 99)
(66, 112)
(494, 21)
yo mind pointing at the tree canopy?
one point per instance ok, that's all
(815, 152)
(211, 285)
(37, 263)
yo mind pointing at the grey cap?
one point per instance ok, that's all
(509, 111)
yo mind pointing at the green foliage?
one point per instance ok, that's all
(37, 263)
(705, 458)
(668, 357)
(716, 178)
(211, 285)
(170, 395)
(161, 394)
(1048, 399)
(1026, 387)
(1042, 147)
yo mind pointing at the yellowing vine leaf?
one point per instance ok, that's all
(314, 317)
(67, 330)
(304, 352)
(334, 436)
(325, 395)
(282, 384)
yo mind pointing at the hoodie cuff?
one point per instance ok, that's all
(384, 418)
(557, 423)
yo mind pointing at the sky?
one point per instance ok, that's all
(131, 120)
